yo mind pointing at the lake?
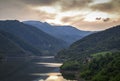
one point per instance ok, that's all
(53, 73)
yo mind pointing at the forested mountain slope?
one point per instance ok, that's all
(11, 45)
(93, 58)
(33, 36)
(107, 40)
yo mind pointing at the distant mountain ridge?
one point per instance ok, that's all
(67, 33)
(33, 36)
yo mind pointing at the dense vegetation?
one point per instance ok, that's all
(108, 40)
(103, 68)
(94, 57)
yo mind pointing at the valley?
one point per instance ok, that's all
(29, 53)
(59, 40)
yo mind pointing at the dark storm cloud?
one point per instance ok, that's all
(111, 7)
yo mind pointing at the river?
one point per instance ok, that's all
(49, 69)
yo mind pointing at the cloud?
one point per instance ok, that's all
(67, 5)
(72, 19)
(101, 24)
(98, 18)
(12, 9)
(45, 16)
(40, 2)
(103, 19)
(16, 9)
(112, 7)
(79, 9)
(93, 26)
(106, 19)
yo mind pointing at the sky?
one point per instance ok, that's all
(92, 15)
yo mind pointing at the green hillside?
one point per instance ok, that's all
(103, 68)
(107, 40)
(93, 58)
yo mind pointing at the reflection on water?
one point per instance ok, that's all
(50, 64)
(48, 74)
(52, 75)
(55, 78)
(47, 57)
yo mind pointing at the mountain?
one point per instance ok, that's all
(96, 57)
(33, 36)
(67, 33)
(8, 47)
(11, 45)
(107, 40)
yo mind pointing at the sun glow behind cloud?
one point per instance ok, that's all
(47, 9)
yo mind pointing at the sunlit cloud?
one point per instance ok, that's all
(83, 14)
(99, 1)
(93, 15)
(99, 25)
(46, 9)
(112, 7)
(73, 4)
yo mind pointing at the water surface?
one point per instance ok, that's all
(52, 74)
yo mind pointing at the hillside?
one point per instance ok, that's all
(33, 36)
(93, 58)
(67, 33)
(107, 40)
(102, 67)
(11, 45)
(8, 47)
(19, 43)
